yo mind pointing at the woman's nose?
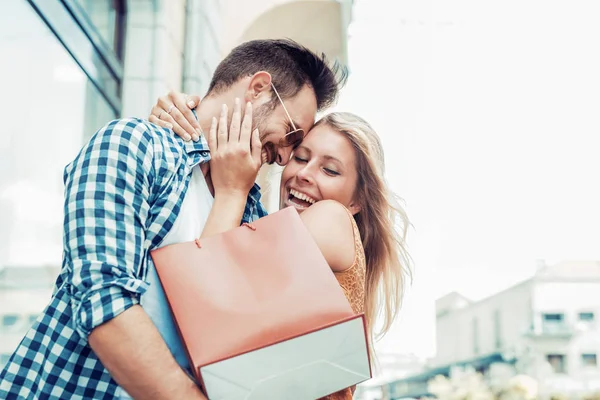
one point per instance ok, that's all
(305, 174)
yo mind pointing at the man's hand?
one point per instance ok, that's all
(132, 350)
(174, 111)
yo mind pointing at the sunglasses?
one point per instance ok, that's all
(294, 137)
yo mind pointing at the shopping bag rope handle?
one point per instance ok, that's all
(246, 224)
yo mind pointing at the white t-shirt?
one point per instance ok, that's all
(188, 226)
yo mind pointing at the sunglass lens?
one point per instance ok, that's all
(294, 138)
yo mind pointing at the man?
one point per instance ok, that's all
(130, 190)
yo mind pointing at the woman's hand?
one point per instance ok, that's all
(174, 111)
(235, 152)
(235, 160)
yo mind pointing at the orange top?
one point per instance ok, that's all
(352, 281)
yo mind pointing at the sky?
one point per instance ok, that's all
(488, 112)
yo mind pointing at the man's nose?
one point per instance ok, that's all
(283, 155)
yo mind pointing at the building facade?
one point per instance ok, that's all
(70, 66)
(546, 327)
(23, 294)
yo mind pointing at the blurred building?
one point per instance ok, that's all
(24, 292)
(70, 66)
(389, 367)
(546, 327)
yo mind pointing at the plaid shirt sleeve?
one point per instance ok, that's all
(108, 190)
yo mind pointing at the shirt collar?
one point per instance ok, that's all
(200, 146)
(198, 152)
(255, 194)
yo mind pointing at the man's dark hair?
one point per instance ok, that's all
(290, 64)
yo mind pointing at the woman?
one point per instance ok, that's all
(335, 180)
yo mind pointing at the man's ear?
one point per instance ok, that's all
(259, 86)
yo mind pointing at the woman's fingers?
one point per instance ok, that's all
(160, 122)
(184, 112)
(212, 135)
(246, 131)
(222, 129)
(256, 148)
(236, 121)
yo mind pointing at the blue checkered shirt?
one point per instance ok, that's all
(123, 193)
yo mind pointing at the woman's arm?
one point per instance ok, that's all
(234, 150)
(329, 224)
(235, 162)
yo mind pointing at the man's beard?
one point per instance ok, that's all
(260, 117)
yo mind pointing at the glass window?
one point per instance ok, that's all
(554, 323)
(589, 360)
(50, 108)
(586, 316)
(557, 361)
(107, 17)
(553, 317)
(9, 320)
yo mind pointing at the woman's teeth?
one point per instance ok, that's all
(302, 196)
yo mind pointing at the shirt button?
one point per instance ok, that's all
(204, 153)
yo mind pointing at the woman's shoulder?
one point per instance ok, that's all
(332, 227)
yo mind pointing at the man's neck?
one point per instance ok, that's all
(208, 108)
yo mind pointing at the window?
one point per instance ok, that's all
(557, 362)
(107, 18)
(38, 141)
(69, 23)
(586, 316)
(589, 360)
(475, 336)
(553, 317)
(9, 320)
(55, 94)
(553, 323)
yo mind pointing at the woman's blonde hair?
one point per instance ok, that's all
(382, 223)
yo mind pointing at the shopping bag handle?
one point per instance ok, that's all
(246, 224)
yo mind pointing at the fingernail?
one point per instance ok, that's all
(191, 104)
(237, 101)
(199, 131)
(214, 120)
(187, 137)
(195, 138)
(224, 108)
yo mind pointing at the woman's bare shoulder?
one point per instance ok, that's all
(329, 223)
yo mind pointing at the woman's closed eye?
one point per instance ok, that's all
(300, 159)
(330, 171)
